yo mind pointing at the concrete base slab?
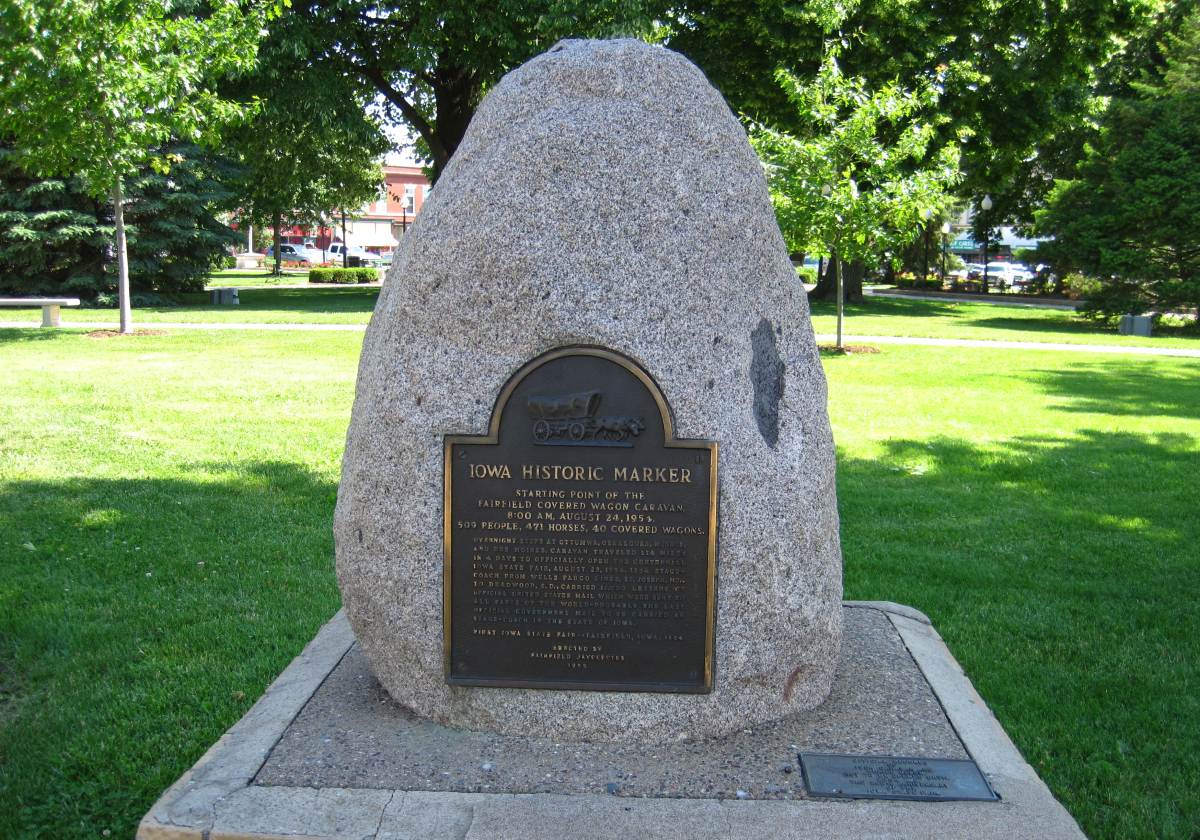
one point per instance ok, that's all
(326, 754)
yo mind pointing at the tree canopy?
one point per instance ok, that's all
(312, 145)
(431, 62)
(98, 88)
(1013, 74)
(862, 172)
(1128, 217)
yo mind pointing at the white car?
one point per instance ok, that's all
(337, 249)
(968, 272)
(1010, 274)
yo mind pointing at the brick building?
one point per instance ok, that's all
(379, 225)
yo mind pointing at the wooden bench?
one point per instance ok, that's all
(50, 307)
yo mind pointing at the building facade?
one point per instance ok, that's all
(379, 225)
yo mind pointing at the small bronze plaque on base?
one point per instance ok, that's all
(894, 777)
(580, 536)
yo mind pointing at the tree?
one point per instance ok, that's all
(54, 235)
(433, 61)
(52, 240)
(311, 147)
(1128, 217)
(96, 88)
(861, 174)
(174, 237)
(1014, 74)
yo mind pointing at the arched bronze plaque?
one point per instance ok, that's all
(580, 536)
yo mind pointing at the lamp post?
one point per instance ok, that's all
(925, 215)
(945, 247)
(985, 206)
(345, 246)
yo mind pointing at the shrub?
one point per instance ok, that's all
(342, 275)
(229, 261)
(806, 274)
(1080, 286)
(904, 280)
(1108, 300)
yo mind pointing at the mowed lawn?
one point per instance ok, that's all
(947, 318)
(266, 303)
(165, 550)
(351, 304)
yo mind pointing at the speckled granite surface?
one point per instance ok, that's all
(605, 195)
(352, 735)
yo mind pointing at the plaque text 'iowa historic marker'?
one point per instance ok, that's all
(580, 536)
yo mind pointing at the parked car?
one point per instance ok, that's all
(337, 249)
(970, 271)
(291, 253)
(1009, 274)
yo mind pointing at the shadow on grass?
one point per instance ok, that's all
(1062, 573)
(888, 306)
(1068, 324)
(140, 618)
(15, 335)
(347, 299)
(1136, 388)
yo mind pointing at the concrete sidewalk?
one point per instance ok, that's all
(224, 796)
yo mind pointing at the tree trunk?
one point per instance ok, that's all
(456, 95)
(277, 222)
(852, 282)
(122, 260)
(840, 294)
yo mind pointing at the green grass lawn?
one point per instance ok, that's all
(990, 322)
(267, 305)
(877, 316)
(242, 277)
(256, 277)
(165, 550)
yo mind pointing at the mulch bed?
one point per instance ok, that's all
(846, 349)
(119, 334)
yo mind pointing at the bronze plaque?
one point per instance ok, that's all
(580, 536)
(894, 777)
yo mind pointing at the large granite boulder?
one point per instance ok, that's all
(604, 195)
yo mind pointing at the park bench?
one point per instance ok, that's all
(50, 307)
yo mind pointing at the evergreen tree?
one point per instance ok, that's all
(1128, 217)
(55, 239)
(175, 239)
(51, 239)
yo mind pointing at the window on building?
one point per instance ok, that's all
(410, 198)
